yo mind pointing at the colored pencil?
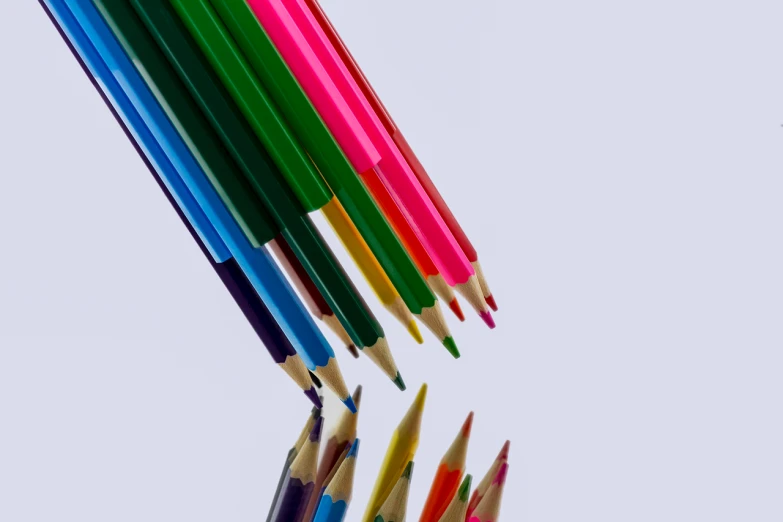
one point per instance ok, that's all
(483, 486)
(412, 243)
(337, 496)
(372, 271)
(407, 152)
(395, 172)
(396, 505)
(211, 36)
(341, 438)
(255, 262)
(458, 507)
(300, 479)
(315, 414)
(332, 163)
(208, 240)
(401, 450)
(488, 509)
(312, 297)
(448, 475)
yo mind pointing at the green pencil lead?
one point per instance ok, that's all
(451, 346)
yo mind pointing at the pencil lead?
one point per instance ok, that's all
(503, 455)
(408, 471)
(455, 307)
(354, 451)
(348, 401)
(471, 291)
(316, 380)
(413, 329)
(315, 434)
(468, 425)
(357, 395)
(352, 349)
(451, 346)
(487, 317)
(490, 299)
(399, 382)
(312, 394)
(464, 489)
(500, 479)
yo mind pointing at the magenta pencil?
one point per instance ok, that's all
(330, 87)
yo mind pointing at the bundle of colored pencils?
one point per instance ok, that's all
(252, 114)
(309, 491)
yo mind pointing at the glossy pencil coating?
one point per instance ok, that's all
(252, 99)
(405, 149)
(395, 507)
(393, 169)
(488, 509)
(448, 475)
(300, 480)
(399, 453)
(255, 262)
(458, 507)
(257, 313)
(257, 46)
(300, 234)
(483, 486)
(337, 496)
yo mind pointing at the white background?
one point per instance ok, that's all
(617, 165)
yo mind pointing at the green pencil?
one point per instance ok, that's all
(260, 63)
(267, 181)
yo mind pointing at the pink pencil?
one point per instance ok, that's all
(412, 200)
(488, 509)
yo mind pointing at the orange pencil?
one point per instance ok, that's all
(483, 486)
(448, 476)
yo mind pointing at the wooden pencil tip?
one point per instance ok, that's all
(490, 299)
(354, 451)
(316, 380)
(464, 489)
(421, 397)
(357, 396)
(500, 478)
(503, 455)
(348, 401)
(487, 318)
(457, 309)
(315, 433)
(451, 346)
(353, 350)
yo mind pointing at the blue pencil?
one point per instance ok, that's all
(256, 263)
(337, 495)
(181, 200)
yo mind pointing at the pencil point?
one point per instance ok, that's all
(487, 317)
(316, 380)
(501, 476)
(490, 299)
(348, 401)
(464, 489)
(408, 471)
(352, 349)
(315, 434)
(354, 451)
(468, 425)
(504, 451)
(455, 307)
(413, 329)
(451, 346)
(312, 394)
(357, 396)
(399, 382)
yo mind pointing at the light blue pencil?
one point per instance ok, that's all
(337, 496)
(256, 263)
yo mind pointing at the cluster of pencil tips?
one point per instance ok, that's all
(309, 491)
(251, 114)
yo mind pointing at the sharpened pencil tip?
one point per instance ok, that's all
(413, 329)
(468, 425)
(490, 299)
(352, 349)
(354, 451)
(408, 471)
(464, 489)
(348, 401)
(457, 309)
(316, 380)
(451, 346)
(315, 433)
(399, 382)
(487, 317)
(500, 478)
(504, 451)
(312, 394)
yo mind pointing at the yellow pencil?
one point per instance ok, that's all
(401, 450)
(369, 266)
